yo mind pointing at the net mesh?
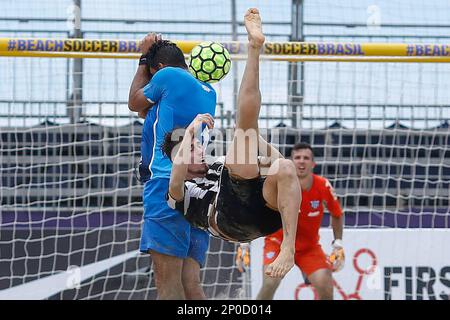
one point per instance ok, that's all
(70, 197)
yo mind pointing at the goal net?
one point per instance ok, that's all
(71, 205)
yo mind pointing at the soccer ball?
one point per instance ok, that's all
(209, 62)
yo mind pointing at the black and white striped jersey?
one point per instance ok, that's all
(199, 195)
(241, 211)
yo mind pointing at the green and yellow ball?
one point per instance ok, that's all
(209, 62)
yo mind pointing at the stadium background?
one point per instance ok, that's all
(70, 199)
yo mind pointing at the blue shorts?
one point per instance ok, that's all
(166, 230)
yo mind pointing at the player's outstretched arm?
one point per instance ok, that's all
(137, 101)
(337, 256)
(337, 223)
(182, 158)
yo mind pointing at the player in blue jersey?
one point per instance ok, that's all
(168, 97)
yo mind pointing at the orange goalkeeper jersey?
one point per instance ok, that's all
(311, 213)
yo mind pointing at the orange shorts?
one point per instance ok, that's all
(309, 260)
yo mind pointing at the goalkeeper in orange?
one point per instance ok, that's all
(309, 256)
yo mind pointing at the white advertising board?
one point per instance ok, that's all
(398, 264)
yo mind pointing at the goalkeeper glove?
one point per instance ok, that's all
(243, 257)
(337, 257)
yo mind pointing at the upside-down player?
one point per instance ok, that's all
(234, 201)
(309, 256)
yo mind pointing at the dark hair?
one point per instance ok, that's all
(169, 143)
(166, 52)
(301, 146)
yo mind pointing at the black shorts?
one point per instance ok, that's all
(242, 213)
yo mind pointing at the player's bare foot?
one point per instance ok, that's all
(282, 264)
(252, 21)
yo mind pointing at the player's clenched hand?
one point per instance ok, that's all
(243, 257)
(337, 257)
(200, 119)
(146, 43)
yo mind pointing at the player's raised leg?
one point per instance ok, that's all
(249, 98)
(242, 154)
(282, 191)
